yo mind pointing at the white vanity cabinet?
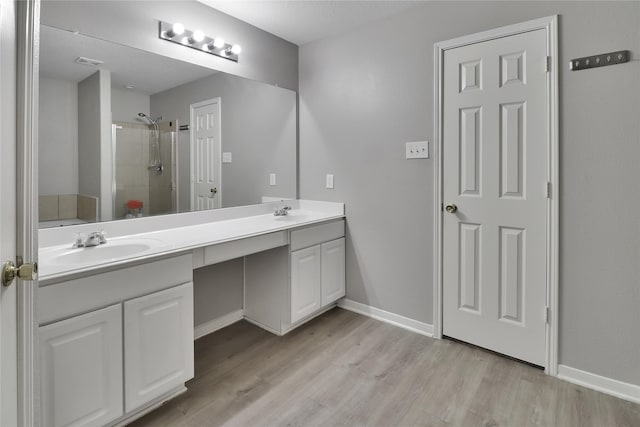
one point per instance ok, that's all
(285, 288)
(306, 295)
(131, 347)
(81, 360)
(317, 278)
(332, 255)
(158, 343)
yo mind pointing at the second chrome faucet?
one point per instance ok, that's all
(283, 211)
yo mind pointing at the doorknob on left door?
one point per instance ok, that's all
(24, 272)
(451, 208)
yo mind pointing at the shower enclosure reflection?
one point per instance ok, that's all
(144, 168)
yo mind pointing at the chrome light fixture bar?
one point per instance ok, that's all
(177, 33)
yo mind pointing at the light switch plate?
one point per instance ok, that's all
(417, 150)
(272, 179)
(226, 157)
(329, 180)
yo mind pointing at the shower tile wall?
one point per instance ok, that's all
(132, 159)
(160, 185)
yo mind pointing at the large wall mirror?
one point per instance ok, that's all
(126, 133)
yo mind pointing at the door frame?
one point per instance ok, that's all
(550, 25)
(218, 148)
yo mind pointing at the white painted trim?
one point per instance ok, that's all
(218, 323)
(387, 317)
(553, 207)
(550, 25)
(129, 418)
(28, 58)
(626, 391)
(269, 199)
(192, 107)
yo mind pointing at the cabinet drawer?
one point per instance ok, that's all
(316, 234)
(76, 296)
(230, 250)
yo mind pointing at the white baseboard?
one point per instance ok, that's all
(626, 391)
(218, 323)
(385, 316)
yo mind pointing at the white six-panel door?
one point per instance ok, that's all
(9, 226)
(494, 168)
(205, 155)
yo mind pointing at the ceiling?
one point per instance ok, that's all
(304, 21)
(148, 72)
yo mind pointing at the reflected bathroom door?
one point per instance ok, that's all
(205, 155)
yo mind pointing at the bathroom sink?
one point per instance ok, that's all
(110, 251)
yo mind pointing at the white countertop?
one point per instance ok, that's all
(160, 236)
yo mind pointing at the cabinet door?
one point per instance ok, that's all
(305, 282)
(81, 369)
(158, 342)
(333, 280)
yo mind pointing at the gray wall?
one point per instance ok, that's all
(94, 140)
(218, 290)
(58, 137)
(126, 104)
(264, 56)
(258, 128)
(360, 101)
(89, 135)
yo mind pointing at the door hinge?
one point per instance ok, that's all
(547, 64)
(547, 315)
(547, 190)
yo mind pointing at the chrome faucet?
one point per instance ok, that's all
(283, 211)
(93, 239)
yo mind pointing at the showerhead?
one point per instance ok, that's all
(153, 122)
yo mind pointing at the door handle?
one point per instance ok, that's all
(24, 272)
(451, 208)
(214, 191)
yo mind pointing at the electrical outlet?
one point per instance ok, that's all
(226, 157)
(329, 180)
(417, 150)
(272, 179)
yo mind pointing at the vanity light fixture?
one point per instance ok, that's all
(177, 33)
(175, 30)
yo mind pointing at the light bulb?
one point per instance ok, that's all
(177, 29)
(218, 42)
(185, 41)
(198, 36)
(236, 49)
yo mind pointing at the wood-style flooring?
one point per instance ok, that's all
(343, 369)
